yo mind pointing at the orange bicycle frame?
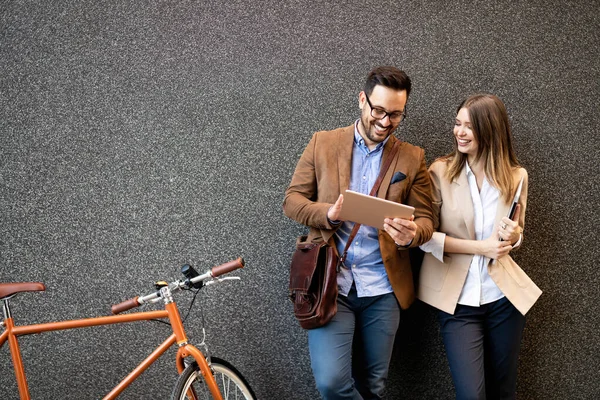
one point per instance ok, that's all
(171, 312)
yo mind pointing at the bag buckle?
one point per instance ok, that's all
(341, 263)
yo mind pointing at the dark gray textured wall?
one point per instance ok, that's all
(137, 136)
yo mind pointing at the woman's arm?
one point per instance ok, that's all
(514, 228)
(435, 245)
(490, 247)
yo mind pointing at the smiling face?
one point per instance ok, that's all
(374, 130)
(464, 135)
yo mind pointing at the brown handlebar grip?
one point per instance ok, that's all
(227, 267)
(126, 305)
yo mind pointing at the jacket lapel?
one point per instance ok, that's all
(346, 141)
(344, 159)
(462, 194)
(385, 183)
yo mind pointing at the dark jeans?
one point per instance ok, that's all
(375, 321)
(483, 344)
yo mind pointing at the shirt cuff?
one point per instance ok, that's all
(333, 223)
(518, 241)
(435, 246)
(404, 246)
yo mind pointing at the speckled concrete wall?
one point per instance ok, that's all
(137, 136)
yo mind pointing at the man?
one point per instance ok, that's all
(377, 274)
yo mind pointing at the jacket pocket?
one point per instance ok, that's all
(397, 191)
(434, 272)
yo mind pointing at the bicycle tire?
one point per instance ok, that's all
(231, 383)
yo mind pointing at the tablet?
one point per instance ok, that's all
(370, 210)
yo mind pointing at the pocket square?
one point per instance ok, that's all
(398, 176)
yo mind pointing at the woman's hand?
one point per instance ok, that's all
(492, 247)
(509, 229)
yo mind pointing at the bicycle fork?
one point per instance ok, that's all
(186, 349)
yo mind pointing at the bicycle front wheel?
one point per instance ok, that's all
(192, 386)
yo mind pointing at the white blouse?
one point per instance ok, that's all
(479, 287)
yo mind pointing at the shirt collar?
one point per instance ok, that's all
(468, 168)
(470, 173)
(358, 139)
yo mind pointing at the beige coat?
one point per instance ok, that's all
(441, 283)
(323, 172)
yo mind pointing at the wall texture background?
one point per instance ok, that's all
(137, 136)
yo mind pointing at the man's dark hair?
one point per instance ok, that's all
(390, 77)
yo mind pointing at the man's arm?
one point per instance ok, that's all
(300, 202)
(414, 232)
(420, 198)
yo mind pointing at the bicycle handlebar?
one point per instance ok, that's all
(227, 267)
(214, 272)
(125, 305)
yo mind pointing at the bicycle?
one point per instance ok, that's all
(203, 378)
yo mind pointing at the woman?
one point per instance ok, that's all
(467, 272)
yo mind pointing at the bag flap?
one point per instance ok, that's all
(304, 263)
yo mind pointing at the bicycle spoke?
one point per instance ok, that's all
(230, 384)
(225, 386)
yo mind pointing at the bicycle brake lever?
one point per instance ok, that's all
(219, 280)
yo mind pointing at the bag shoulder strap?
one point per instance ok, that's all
(384, 168)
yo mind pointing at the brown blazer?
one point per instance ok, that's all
(441, 283)
(323, 172)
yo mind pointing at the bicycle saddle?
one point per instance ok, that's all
(8, 289)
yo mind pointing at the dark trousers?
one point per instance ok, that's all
(482, 344)
(363, 332)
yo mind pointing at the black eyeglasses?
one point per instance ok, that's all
(380, 113)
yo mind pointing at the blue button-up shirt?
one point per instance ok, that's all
(364, 262)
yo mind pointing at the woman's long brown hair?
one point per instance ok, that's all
(491, 129)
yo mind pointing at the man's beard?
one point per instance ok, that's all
(372, 135)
